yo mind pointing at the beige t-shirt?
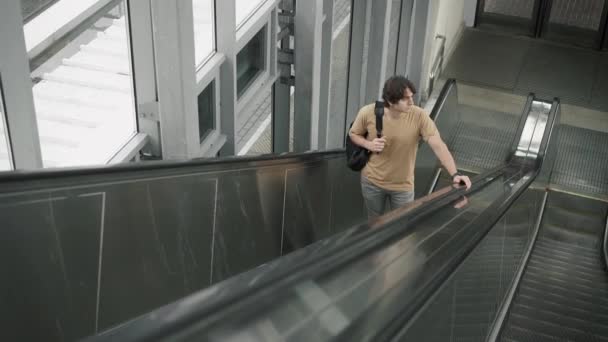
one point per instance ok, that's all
(393, 168)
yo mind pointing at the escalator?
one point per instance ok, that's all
(444, 267)
(539, 276)
(563, 294)
(362, 286)
(386, 279)
(507, 261)
(87, 249)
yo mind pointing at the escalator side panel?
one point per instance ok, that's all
(89, 256)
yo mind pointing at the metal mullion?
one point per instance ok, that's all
(18, 98)
(603, 31)
(226, 44)
(7, 132)
(541, 16)
(377, 51)
(355, 70)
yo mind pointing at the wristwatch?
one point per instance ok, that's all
(457, 174)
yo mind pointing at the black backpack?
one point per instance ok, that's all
(357, 156)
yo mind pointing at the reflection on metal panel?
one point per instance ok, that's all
(164, 235)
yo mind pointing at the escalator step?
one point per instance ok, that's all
(571, 284)
(553, 329)
(585, 240)
(518, 334)
(561, 268)
(555, 252)
(543, 308)
(582, 300)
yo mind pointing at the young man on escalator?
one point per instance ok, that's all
(389, 173)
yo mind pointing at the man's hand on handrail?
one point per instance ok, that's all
(462, 180)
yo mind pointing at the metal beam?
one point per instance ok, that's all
(175, 70)
(281, 90)
(420, 19)
(323, 129)
(405, 30)
(378, 48)
(144, 75)
(357, 42)
(17, 89)
(308, 59)
(226, 43)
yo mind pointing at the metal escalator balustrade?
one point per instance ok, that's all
(467, 305)
(181, 226)
(326, 296)
(124, 240)
(364, 290)
(86, 249)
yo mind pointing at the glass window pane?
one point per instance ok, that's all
(206, 111)
(340, 47)
(82, 83)
(5, 151)
(204, 29)
(244, 8)
(250, 62)
(31, 8)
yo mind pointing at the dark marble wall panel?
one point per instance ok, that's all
(347, 206)
(247, 236)
(307, 206)
(156, 245)
(159, 240)
(49, 254)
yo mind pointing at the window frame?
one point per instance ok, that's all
(210, 74)
(263, 34)
(267, 76)
(5, 127)
(258, 13)
(200, 66)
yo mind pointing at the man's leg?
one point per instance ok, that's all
(374, 197)
(400, 198)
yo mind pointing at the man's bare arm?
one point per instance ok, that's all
(359, 140)
(445, 157)
(376, 145)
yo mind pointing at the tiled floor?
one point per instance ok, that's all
(522, 65)
(578, 77)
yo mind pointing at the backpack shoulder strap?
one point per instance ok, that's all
(379, 113)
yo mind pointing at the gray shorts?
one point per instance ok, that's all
(376, 198)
